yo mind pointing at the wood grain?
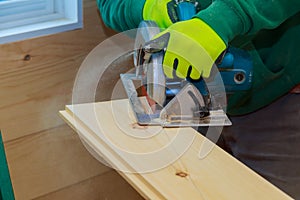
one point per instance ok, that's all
(107, 186)
(35, 88)
(105, 127)
(48, 161)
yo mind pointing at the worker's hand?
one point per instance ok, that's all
(191, 48)
(161, 11)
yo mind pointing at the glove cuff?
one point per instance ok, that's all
(157, 10)
(148, 6)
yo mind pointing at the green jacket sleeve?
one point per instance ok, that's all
(121, 15)
(230, 18)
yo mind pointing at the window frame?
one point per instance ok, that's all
(24, 19)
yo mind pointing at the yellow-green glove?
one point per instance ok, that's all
(191, 48)
(161, 11)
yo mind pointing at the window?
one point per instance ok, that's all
(22, 19)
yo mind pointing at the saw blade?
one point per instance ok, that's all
(150, 66)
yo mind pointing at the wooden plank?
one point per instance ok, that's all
(107, 153)
(109, 128)
(53, 159)
(106, 186)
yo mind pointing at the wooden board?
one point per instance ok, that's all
(177, 171)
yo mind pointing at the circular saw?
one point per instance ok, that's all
(158, 100)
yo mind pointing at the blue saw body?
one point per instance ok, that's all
(236, 65)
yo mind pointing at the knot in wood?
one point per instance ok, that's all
(181, 174)
(27, 57)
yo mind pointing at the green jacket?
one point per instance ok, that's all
(269, 30)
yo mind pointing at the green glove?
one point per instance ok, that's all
(191, 48)
(161, 11)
